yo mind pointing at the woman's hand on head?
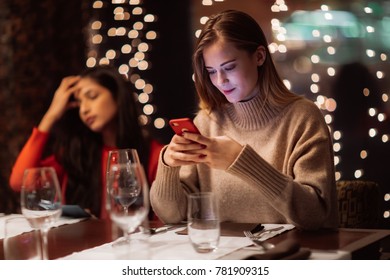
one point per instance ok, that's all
(61, 100)
(60, 103)
(216, 152)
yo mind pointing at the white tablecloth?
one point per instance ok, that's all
(167, 246)
(26, 227)
(164, 246)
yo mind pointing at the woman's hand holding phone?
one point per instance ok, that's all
(182, 151)
(216, 152)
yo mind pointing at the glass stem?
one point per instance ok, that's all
(44, 243)
(126, 234)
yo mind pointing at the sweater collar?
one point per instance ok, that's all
(252, 114)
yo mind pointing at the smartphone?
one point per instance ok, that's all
(183, 125)
(74, 211)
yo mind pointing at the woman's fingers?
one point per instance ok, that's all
(195, 137)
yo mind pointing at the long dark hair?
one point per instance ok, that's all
(245, 33)
(79, 150)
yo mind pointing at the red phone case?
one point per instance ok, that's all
(181, 125)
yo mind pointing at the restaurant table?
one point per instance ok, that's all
(356, 243)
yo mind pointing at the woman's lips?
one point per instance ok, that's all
(227, 91)
(89, 121)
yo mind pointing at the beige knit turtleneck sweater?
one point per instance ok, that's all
(284, 173)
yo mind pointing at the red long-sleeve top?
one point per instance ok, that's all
(31, 156)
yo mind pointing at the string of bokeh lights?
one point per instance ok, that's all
(128, 40)
(327, 104)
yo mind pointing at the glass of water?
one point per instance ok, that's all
(203, 222)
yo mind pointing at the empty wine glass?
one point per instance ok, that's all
(127, 192)
(41, 201)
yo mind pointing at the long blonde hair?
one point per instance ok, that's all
(244, 32)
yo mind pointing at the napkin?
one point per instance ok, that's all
(229, 229)
(237, 229)
(27, 227)
(284, 250)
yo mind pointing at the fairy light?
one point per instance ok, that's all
(159, 123)
(331, 71)
(279, 6)
(124, 40)
(358, 173)
(336, 147)
(315, 77)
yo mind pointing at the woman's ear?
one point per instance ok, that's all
(260, 55)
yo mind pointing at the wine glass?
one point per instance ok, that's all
(41, 201)
(127, 192)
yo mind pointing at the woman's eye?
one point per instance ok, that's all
(92, 95)
(230, 67)
(211, 72)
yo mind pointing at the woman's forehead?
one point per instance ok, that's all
(85, 85)
(220, 52)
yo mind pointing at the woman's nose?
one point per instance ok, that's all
(84, 108)
(221, 78)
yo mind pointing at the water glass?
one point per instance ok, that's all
(40, 201)
(127, 192)
(21, 241)
(203, 222)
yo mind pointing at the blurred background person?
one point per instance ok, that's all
(89, 115)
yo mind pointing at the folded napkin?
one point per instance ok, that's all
(285, 250)
(237, 229)
(229, 229)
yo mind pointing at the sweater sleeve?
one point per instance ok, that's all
(168, 193)
(155, 149)
(30, 156)
(305, 196)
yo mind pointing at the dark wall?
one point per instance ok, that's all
(171, 71)
(41, 42)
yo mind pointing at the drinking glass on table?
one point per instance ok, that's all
(127, 192)
(203, 221)
(41, 201)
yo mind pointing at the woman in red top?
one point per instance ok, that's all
(89, 115)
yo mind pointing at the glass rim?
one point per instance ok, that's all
(122, 150)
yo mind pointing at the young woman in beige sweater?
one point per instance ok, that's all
(265, 152)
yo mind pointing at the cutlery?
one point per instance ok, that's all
(260, 234)
(162, 229)
(257, 228)
(265, 245)
(255, 237)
